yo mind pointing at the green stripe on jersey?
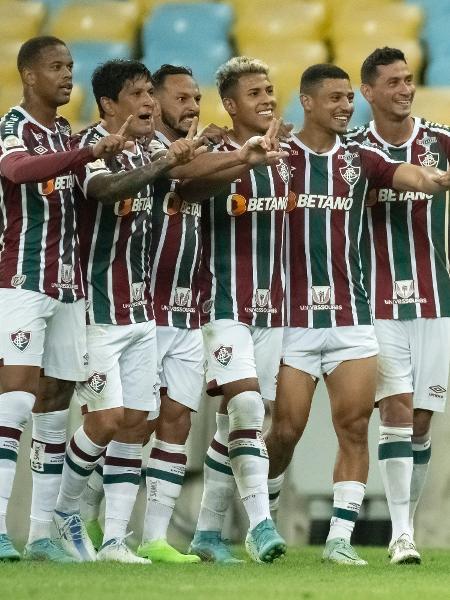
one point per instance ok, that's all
(101, 304)
(31, 265)
(223, 306)
(263, 234)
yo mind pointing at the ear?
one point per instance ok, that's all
(366, 91)
(230, 106)
(28, 76)
(306, 102)
(108, 106)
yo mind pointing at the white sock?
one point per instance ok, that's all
(121, 478)
(421, 448)
(48, 448)
(15, 410)
(248, 454)
(347, 500)
(274, 485)
(395, 459)
(165, 475)
(218, 480)
(81, 457)
(94, 493)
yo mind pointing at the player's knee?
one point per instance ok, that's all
(396, 411)
(285, 434)
(422, 424)
(353, 430)
(246, 411)
(105, 423)
(54, 394)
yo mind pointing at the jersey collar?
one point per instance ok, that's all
(385, 144)
(303, 146)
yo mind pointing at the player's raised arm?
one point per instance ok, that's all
(413, 178)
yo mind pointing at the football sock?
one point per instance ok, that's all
(347, 500)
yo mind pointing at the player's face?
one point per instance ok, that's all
(179, 99)
(253, 103)
(136, 98)
(330, 105)
(51, 75)
(393, 90)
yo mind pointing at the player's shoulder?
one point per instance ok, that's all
(433, 127)
(88, 136)
(359, 133)
(11, 125)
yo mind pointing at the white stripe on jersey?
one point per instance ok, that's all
(412, 249)
(23, 193)
(433, 267)
(61, 233)
(308, 254)
(254, 243)
(145, 228)
(390, 254)
(190, 317)
(178, 263)
(272, 248)
(129, 270)
(154, 268)
(90, 289)
(328, 214)
(361, 270)
(373, 263)
(109, 283)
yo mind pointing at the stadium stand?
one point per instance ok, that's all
(20, 20)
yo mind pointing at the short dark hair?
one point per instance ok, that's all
(380, 56)
(228, 74)
(315, 74)
(30, 50)
(109, 78)
(159, 76)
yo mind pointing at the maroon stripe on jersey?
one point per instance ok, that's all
(9, 432)
(9, 255)
(165, 274)
(83, 455)
(119, 272)
(204, 279)
(243, 242)
(237, 434)
(52, 249)
(276, 284)
(118, 461)
(172, 457)
(422, 251)
(219, 448)
(384, 283)
(341, 284)
(51, 448)
(86, 231)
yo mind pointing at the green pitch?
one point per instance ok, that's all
(300, 575)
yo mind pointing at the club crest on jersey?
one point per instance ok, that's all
(66, 273)
(428, 158)
(262, 296)
(18, 279)
(223, 355)
(283, 171)
(20, 339)
(321, 294)
(97, 382)
(404, 288)
(183, 296)
(137, 291)
(207, 306)
(349, 173)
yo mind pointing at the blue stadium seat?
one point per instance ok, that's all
(293, 112)
(188, 25)
(437, 73)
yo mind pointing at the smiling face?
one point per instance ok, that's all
(135, 98)
(179, 99)
(251, 103)
(392, 92)
(50, 76)
(329, 105)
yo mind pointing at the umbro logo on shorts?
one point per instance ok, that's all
(97, 382)
(223, 355)
(20, 339)
(437, 389)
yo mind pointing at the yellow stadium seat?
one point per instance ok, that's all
(433, 104)
(20, 20)
(9, 96)
(211, 109)
(403, 21)
(350, 55)
(303, 20)
(111, 21)
(72, 110)
(303, 53)
(146, 6)
(285, 78)
(9, 74)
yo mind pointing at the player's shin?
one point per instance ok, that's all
(48, 448)
(347, 500)
(421, 447)
(15, 410)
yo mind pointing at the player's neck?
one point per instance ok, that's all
(241, 133)
(394, 132)
(45, 115)
(317, 139)
(167, 131)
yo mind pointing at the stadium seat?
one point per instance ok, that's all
(146, 6)
(394, 20)
(303, 52)
(349, 55)
(20, 20)
(293, 111)
(112, 21)
(211, 108)
(433, 104)
(187, 25)
(8, 65)
(10, 95)
(305, 21)
(437, 72)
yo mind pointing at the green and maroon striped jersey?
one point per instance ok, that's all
(242, 272)
(38, 241)
(405, 246)
(115, 242)
(324, 283)
(174, 254)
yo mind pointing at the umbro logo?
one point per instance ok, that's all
(40, 149)
(438, 389)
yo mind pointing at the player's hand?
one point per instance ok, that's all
(441, 177)
(285, 131)
(113, 143)
(213, 134)
(263, 149)
(186, 149)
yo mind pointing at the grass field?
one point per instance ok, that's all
(300, 575)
